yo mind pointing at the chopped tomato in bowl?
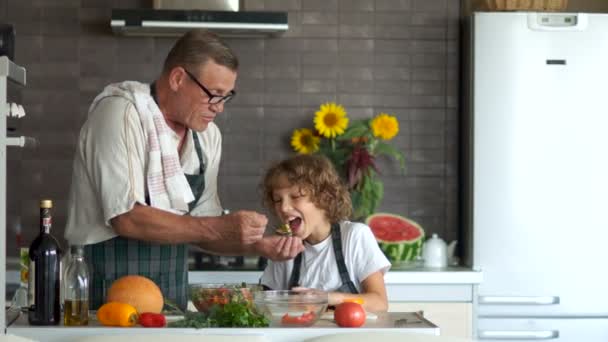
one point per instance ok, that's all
(304, 320)
(290, 308)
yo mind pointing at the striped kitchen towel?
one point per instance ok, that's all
(168, 187)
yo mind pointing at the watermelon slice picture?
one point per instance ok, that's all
(399, 238)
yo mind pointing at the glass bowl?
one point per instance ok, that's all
(290, 308)
(205, 295)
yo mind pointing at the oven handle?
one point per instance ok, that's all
(518, 300)
(517, 334)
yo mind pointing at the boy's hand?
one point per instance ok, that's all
(279, 248)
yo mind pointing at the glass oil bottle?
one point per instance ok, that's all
(76, 289)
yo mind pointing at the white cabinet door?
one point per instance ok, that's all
(453, 319)
(534, 329)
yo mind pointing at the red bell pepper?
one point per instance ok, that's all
(152, 320)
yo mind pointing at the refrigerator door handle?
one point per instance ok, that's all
(518, 300)
(517, 334)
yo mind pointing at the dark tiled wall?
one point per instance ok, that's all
(395, 56)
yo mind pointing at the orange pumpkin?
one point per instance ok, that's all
(138, 291)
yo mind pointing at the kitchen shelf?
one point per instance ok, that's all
(12, 71)
(9, 71)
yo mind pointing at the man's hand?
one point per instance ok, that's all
(238, 228)
(279, 248)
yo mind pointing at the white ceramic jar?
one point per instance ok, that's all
(434, 252)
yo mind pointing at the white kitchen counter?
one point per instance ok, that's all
(386, 322)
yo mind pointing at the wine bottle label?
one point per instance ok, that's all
(46, 223)
(31, 285)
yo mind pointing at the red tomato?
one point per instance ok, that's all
(349, 314)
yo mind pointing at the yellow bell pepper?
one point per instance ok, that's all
(117, 314)
(357, 300)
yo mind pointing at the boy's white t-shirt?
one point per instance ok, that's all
(319, 269)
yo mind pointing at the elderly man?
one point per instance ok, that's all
(144, 181)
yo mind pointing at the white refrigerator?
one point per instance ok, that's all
(536, 175)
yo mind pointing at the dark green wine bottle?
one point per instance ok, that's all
(45, 257)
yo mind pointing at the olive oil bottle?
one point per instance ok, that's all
(76, 289)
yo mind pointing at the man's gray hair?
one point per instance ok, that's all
(197, 47)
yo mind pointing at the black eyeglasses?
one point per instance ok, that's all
(213, 99)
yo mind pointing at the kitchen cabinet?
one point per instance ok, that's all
(453, 319)
(444, 296)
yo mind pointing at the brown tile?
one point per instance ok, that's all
(315, 99)
(392, 59)
(319, 71)
(282, 58)
(392, 18)
(328, 5)
(356, 5)
(356, 31)
(391, 73)
(355, 86)
(392, 87)
(281, 5)
(320, 59)
(281, 86)
(356, 100)
(282, 72)
(391, 32)
(319, 31)
(63, 21)
(355, 73)
(318, 86)
(356, 58)
(282, 99)
(393, 5)
(429, 6)
(317, 18)
(356, 18)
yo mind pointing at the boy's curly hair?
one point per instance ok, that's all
(317, 176)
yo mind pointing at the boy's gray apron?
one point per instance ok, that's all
(336, 239)
(166, 265)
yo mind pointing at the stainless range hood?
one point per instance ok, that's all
(172, 22)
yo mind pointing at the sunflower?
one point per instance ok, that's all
(304, 141)
(384, 126)
(330, 120)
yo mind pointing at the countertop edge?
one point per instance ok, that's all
(387, 323)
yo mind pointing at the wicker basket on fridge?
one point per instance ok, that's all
(527, 5)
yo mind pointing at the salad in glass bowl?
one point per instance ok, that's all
(205, 296)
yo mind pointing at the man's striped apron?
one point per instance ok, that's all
(166, 265)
